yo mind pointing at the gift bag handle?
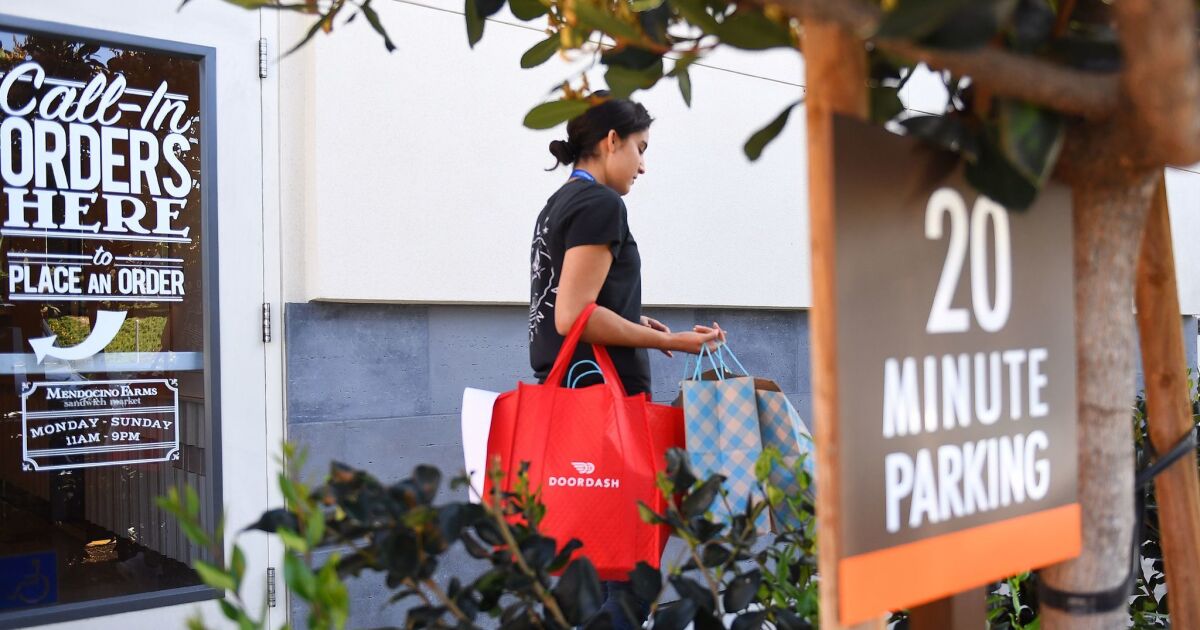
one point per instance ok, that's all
(693, 373)
(573, 380)
(714, 358)
(567, 351)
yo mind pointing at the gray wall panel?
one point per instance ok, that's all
(347, 361)
(388, 448)
(481, 347)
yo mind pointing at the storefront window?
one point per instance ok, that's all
(104, 401)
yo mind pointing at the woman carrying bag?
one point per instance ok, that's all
(583, 252)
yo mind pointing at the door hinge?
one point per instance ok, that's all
(266, 314)
(271, 587)
(262, 58)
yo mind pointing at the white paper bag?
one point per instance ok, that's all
(476, 424)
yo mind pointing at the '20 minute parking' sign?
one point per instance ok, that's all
(956, 378)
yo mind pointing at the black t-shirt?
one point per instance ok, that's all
(585, 213)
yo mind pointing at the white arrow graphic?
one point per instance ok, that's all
(108, 324)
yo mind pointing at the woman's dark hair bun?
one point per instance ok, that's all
(564, 152)
(586, 130)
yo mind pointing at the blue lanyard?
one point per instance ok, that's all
(582, 174)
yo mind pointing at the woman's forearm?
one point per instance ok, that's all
(607, 328)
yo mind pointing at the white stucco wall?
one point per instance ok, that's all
(412, 180)
(1183, 198)
(422, 184)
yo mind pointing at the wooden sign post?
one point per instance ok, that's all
(835, 83)
(1169, 414)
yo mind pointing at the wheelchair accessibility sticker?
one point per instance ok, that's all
(28, 580)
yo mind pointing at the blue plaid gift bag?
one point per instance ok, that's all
(723, 435)
(783, 429)
(726, 432)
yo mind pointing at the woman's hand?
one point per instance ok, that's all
(659, 326)
(691, 342)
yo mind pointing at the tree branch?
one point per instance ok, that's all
(1158, 42)
(1091, 95)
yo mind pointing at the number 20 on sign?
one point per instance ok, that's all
(955, 378)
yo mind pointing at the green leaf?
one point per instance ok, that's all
(299, 577)
(691, 590)
(698, 501)
(750, 621)
(681, 65)
(675, 616)
(656, 22)
(752, 30)
(474, 23)
(684, 81)
(312, 31)
(551, 114)
(488, 8)
(885, 103)
(541, 52)
(1032, 24)
(526, 10)
(333, 592)
(761, 138)
(214, 577)
(993, 176)
(741, 590)
(601, 20)
(774, 495)
(646, 582)
(946, 131)
(648, 515)
(564, 555)
(645, 5)
(292, 540)
(230, 611)
(631, 57)
(373, 19)
(972, 26)
(696, 14)
(764, 464)
(315, 529)
(291, 491)
(622, 81)
(914, 19)
(578, 591)
(193, 502)
(1030, 138)
(237, 565)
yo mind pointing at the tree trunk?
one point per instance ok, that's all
(1108, 221)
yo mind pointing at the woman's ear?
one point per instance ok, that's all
(611, 140)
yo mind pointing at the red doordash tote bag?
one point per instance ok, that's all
(594, 452)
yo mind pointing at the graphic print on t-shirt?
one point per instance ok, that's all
(540, 263)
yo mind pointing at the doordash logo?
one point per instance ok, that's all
(585, 468)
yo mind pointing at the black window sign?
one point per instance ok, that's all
(99, 155)
(107, 318)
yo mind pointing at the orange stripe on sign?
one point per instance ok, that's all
(871, 584)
